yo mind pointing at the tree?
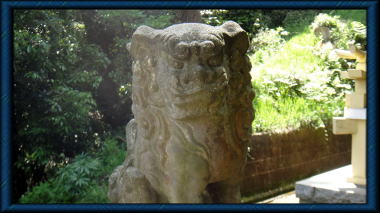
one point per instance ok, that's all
(71, 83)
(53, 104)
(250, 20)
(188, 16)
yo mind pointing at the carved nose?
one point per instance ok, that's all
(202, 74)
(196, 75)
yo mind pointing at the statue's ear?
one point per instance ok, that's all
(236, 37)
(142, 41)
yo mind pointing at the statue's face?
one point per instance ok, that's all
(190, 68)
(201, 69)
(196, 74)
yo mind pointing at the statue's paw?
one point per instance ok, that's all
(130, 186)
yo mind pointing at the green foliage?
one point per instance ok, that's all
(122, 23)
(342, 32)
(110, 31)
(298, 21)
(250, 20)
(287, 113)
(84, 180)
(71, 84)
(350, 15)
(111, 155)
(338, 29)
(359, 34)
(267, 39)
(324, 20)
(298, 84)
(68, 185)
(52, 91)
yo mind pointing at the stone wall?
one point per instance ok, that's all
(282, 158)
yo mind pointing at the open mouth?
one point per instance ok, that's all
(200, 95)
(194, 102)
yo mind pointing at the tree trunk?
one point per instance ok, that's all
(188, 16)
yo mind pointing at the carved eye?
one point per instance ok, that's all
(215, 61)
(208, 47)
(182, 50)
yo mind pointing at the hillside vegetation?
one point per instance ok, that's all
(296, 79)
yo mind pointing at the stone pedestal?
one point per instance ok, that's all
(331, 187)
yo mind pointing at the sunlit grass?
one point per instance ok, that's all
(294, 59)
(292, 112)
(296, 56)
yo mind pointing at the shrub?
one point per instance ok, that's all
(250, 20)
(298, 84)
(342, 33)
(268, 39)
(69, 184)
(338, 29)
(297, 21)
(71, 80)
(84, 180)
(359, 34)
(290, 113)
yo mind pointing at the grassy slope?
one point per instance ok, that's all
(295, 58)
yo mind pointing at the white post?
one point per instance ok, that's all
(354, 120)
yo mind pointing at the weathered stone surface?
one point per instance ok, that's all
(192, 103)
(128, 183)
(331, 187)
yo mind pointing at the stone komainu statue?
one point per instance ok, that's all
(192, 102)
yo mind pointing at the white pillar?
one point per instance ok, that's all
(354, 120)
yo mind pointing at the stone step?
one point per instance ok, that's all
(331, 187)
(343, 126)
(345, 54)
(354, 74)
(359, 55)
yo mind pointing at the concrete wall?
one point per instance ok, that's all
(282, 158)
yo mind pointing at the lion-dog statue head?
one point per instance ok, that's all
(192, 102)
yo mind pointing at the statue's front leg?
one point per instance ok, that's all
(188, 176)
(129, 185)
